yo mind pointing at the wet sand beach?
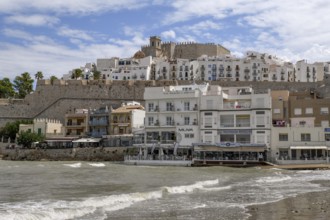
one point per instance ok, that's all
(309, 206)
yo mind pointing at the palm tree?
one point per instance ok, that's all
(76, 73)
(23, 84)
(52, 78)
(96, 74)
(39, 75)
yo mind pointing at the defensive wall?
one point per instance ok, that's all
(185, 50)
(55, 100)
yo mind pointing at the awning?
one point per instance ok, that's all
(308, 147)
(87, 140)
(229, 149)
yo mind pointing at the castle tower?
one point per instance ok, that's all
(155, 46)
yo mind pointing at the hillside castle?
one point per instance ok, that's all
(195, 61)
(184, 50)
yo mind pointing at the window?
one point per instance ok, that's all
(277, 111)
(297, 111)
(189, 135)
(324, 110)
(186, 120)
(260, 112)
(283, 137)
(309, 111)
(168, 106)
(150, 107)
(186, 106)
(150, 120)
(169, 121)
(327, 137)
(325, 123)
(208, 123)
(260, 121)
(305, 137)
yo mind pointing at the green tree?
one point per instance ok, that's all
(6, 88)
(23, 84)
(76, 73)
(96, 74)
(11, 129)
(52, 79)
(26, 138)
(39, 75)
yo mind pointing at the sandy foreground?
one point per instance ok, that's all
(309, 206)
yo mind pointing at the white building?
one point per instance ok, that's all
(125, 68)
(231, 115)
(311, 72)
(300, 144)
(172, 114)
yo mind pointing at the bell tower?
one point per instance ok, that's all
(155, 46)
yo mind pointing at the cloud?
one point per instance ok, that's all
(32, 20)
(278, 26)
(168, 34)
(53, 58)
(19, 34)
(74, 33)
(77, 7)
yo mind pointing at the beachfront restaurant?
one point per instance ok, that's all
(158, 153)
(303, 154)
(228, 153)
(87, 142)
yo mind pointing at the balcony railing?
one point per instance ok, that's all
(243, 124)
(98, 123)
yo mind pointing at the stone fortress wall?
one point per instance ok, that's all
(185, 50)
(54, 101)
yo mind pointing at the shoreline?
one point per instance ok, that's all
(307, 206)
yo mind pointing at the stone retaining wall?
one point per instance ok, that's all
(73, 154)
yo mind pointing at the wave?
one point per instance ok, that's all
(97, 164)
(190, 188)
(74, 165)
(273, 179)
(62, 210)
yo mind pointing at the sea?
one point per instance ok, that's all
(104, 190)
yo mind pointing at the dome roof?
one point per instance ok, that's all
(139, 55)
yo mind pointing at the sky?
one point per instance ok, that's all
(60, 35)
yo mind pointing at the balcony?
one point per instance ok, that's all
(229, 75)
(254, 66)
(82, 124)
(246, 70)
(227, 125)
(243, 124)
(98, 123)
(170, 123)
(237, 75)
(246, 77)
(274, 78)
